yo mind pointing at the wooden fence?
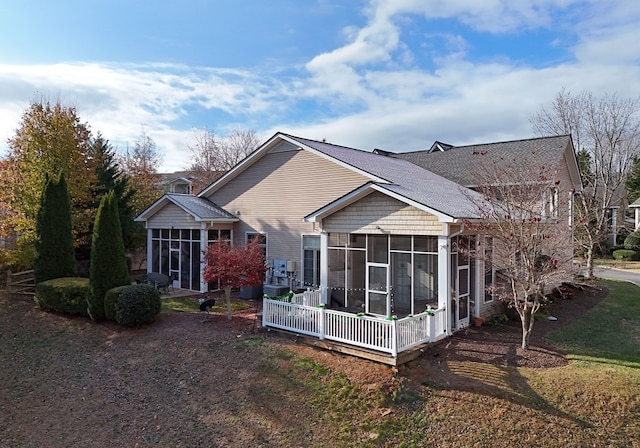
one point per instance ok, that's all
(21, 282)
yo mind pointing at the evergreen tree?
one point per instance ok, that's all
(633, 180)
(111, 177)
(108, 262)
(54, 254)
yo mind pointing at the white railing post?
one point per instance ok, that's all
(394, 338)
(321, 317)
(264, 310)
(305, 297)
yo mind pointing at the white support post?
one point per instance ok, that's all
(444, 280)
(324, 268)
(150, 250)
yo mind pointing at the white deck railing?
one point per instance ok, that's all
(386, 335)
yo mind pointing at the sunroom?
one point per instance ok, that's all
(392, 277)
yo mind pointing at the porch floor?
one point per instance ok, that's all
(360, 352)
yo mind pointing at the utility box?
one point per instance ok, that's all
(251, 292)
(280, 268)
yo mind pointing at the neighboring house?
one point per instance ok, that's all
(177, 182)
(373, 235)
(635, 206)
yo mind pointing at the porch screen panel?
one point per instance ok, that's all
(425, 280)
(195, 265)
(337, 276)
(401, 271)
(185, 271)
(155, 256)
(355, 279)
(378, 250)
(164, 257)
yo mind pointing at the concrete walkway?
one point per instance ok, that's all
(608, 272)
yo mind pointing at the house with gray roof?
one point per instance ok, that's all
(371, 237)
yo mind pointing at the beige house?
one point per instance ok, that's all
(372, 236)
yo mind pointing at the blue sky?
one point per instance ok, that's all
(391, 74)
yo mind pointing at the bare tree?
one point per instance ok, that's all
(238, 145)
(141, 163)
(213, 156)
(606, 134)
(531, 250)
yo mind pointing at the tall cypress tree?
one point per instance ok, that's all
(54, 253)
(108, 262)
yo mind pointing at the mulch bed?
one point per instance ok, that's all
(501, 345)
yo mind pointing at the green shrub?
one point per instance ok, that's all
(108, 262)
(138, 304)
(67, 295)
(110, 300)
(625, 254)
(632, 241)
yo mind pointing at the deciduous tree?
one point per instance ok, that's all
(606, 134)
(50, 139)
(141, 163)
(532, 243)
(213, 156)
(234, 266)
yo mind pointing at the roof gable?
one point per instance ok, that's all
(201, 209)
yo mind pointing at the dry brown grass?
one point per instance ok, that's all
(182, 382)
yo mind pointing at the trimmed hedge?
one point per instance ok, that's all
(632, 241)
(110, 300)
(137, 304)
(67, 295)
(625, 254)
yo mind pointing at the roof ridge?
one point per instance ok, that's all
(486, 143)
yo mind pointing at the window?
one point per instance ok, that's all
(311, 261)
(551, 203)
(250, 236)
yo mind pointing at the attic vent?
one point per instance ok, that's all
(479, 153)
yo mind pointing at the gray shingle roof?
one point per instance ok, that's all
(459, 163)
(201, 209)
(406, 179)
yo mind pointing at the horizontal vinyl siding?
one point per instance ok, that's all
(172, 216)
(378, 210)
(274, 194)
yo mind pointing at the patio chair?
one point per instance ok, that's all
(162, 282)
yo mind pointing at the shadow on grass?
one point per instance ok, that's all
(505, 382)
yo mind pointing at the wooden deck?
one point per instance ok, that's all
(359, 352)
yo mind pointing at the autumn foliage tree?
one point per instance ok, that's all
(50, 139)
(234, 266)
(531, 248)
